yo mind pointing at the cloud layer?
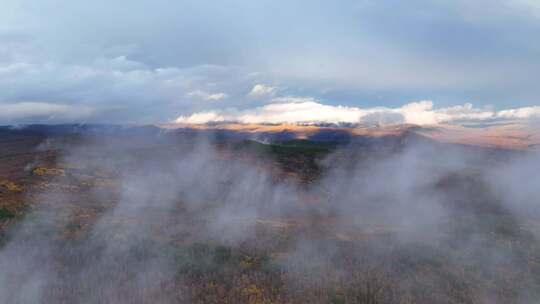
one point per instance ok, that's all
(307, 110)
(43, 112)
(111, 90)
(195, 56)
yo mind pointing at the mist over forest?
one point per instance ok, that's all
(135, 216)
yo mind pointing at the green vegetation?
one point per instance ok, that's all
(296, 147)
(6, 213)
(299, 157)
(201, 258)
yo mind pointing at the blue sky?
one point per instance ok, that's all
(152, 61)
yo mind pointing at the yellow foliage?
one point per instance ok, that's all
(41, 171)
(247, 261)
(10, 186)
(253, 293)
(252, 290)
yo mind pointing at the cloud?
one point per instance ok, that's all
(43, 111)
(137, 92)
(199, 94)
(308, 110)
(261, 90)
(203, 117)
(149, 62)
(521, 113)
(527, 7)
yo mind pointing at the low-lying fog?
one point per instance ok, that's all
(140, 222)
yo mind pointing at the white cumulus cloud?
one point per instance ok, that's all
(520, 113)
(261, 90)
(308, 110)
(200, 94)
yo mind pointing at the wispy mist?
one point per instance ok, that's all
(150, 221)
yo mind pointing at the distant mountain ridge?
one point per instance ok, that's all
(509, 136)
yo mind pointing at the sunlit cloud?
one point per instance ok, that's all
(296, 110)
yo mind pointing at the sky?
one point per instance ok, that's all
(158, 61)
